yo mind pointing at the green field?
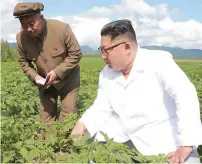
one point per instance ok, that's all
(20, 140)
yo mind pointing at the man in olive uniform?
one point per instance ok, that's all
(52, 46)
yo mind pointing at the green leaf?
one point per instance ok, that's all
(23, 152)
(7, 159)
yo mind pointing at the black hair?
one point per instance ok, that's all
(117, 28)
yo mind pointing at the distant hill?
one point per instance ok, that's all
(13, 44)
(175, 51)
(86, 50)
(178, 52)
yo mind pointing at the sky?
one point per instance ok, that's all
(175, 23)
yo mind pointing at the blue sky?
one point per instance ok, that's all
(187, 9)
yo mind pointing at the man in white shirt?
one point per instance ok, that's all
(143, 97)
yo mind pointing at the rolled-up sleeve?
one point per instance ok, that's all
(94, 117)
(180, 88)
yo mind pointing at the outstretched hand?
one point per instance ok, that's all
(180, 155)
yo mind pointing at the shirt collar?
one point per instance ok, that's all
(138, 64)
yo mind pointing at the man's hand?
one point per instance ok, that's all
(78, 129)
(180, 154)
(51, 77)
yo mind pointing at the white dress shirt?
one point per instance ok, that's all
(156, 107)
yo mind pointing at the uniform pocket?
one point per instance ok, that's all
(58, 52)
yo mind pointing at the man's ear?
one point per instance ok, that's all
(41, 16)
(128, 48)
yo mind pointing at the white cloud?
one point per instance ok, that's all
(86, 29)
(7, 5)
(183, 34)
(9, 25)
(98, 12)
(138, 7)
(153, 24)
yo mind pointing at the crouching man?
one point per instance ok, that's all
(144, 98)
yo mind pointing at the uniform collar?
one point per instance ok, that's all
(43, 33)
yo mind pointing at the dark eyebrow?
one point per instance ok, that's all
(103, 46)
(28, 22)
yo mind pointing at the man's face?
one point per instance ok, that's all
(32, 24)
(113, 52)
